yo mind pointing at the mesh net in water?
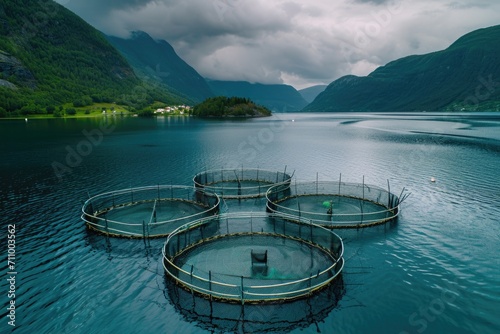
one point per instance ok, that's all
(334, 204)
(241, 183)
(147, 211)
(253, 257)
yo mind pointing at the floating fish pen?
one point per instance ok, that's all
(335, 204)
(151, 211)
(241, 183)
(252, 258)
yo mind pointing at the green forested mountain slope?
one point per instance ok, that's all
(465, 76)
(158, 61)
(49, 56)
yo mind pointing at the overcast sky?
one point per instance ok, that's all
(297, 42)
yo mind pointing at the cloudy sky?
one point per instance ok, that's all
(297, 42)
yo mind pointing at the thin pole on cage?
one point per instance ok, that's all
(340, 182)
(297, 196)
(389, 202)
(363, 187)
(158, 187)
(222, 180)
(317, 178)
(361, 204)
(258, 181)
(402, 196)
(284, 173)
(242, 293)
(238, 180)
(210, 282)
(191, 274)
(154, 212)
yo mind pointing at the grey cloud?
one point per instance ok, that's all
(462, 5)
(88, 7)
(313, 41)
(376, 2)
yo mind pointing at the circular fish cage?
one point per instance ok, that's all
(241, 183)
(335, 204)
(151, 211)
(252, 258)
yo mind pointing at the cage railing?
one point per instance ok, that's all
(363, 193)
(239, 288)
(96, 208)
(213, 181)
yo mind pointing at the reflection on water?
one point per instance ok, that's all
(256, 318)
(435, 271)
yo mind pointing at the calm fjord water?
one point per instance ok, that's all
(436, 270)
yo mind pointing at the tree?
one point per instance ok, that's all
(70, 111)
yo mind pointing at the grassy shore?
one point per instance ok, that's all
(95, 110)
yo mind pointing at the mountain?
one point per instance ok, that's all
(275, 97)
(465, 76)
(158, 60)
(50, 57)
(310, 93)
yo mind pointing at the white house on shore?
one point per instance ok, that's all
(171, 109)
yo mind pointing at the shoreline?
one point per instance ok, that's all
(32, 117)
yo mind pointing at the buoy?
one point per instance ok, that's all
(433, 179)
(25, 119)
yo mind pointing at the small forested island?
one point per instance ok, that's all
(222, 106)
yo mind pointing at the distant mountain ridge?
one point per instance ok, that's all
(157, 60)
(463, 77)
(50, 58)
(277, 97)
(310, 93)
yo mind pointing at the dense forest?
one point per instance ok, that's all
(222, 106)
(49, 57)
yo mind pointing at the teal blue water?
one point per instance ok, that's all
(436, 270)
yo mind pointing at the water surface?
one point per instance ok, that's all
(434, 271)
